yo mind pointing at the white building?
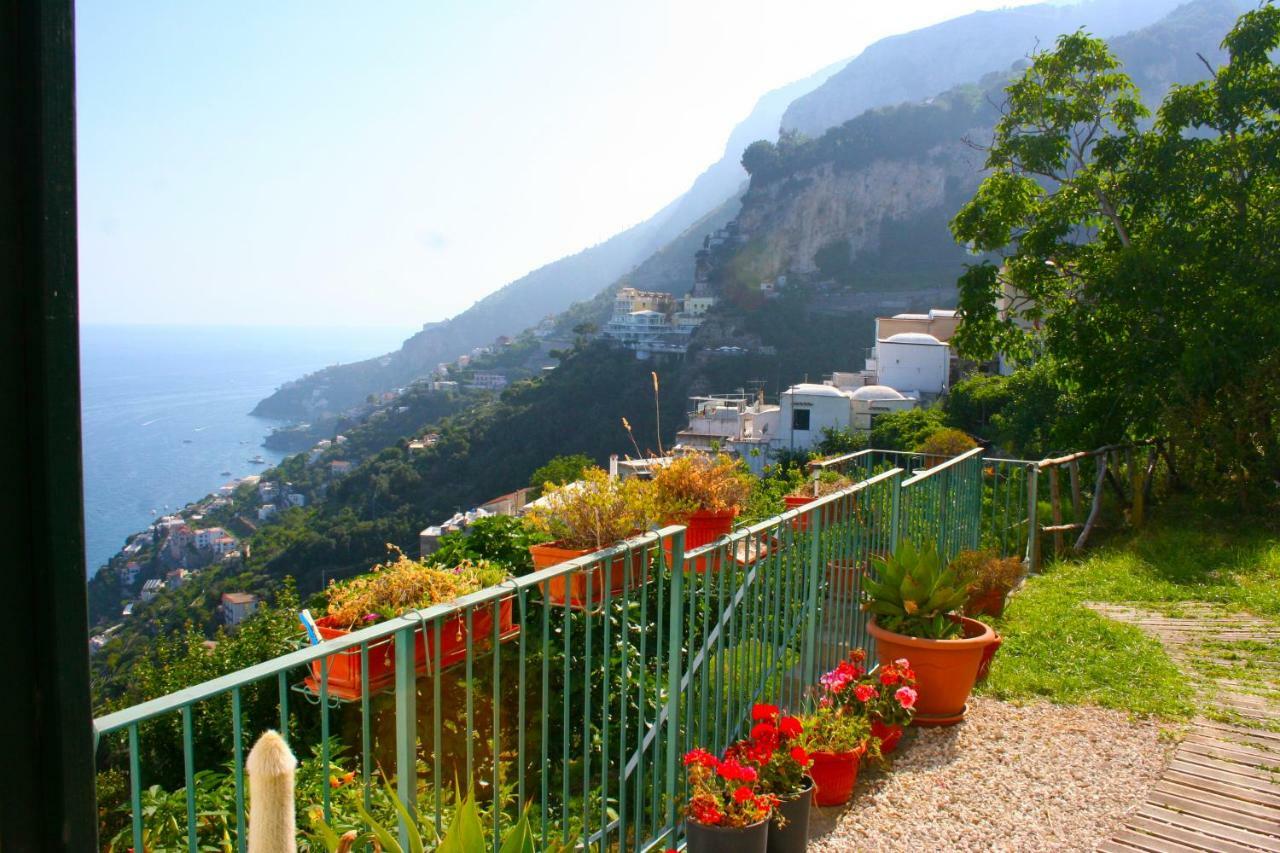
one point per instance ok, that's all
(151, 589)
(735, 423)
(429, 537)
(205, 537)
(266, 511)
(913, 361)
(128, 573)
(238, 606)
(490, 381)
(870, 401)
(807, 409)
(296, 499)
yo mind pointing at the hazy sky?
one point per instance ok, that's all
(389, 163)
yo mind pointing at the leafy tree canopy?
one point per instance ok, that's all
(1139, 261)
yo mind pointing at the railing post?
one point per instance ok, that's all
(815, 572)
(895, 514)
(675, 650)
(1033, 522)
(407, 726)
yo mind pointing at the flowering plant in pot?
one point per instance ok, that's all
(391, 589)
(586, 516)
(774, 748)
(836, 741)
(893, 705)
(826, 483)
(704, 493)
(726, 814)
(916, 605)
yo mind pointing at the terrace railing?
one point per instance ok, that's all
(576, 707)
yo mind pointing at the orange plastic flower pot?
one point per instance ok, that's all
(946, 670)
(585, 589)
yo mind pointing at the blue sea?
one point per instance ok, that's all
(166, 411)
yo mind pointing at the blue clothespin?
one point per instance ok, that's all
(309, 625)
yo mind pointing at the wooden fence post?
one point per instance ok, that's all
(1055, 503)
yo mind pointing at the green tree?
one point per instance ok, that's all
(760, 158)
(1140, 264)
(906, 430)
(560, 470)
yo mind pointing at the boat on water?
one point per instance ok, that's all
(258, 460)
(186, 441)
(225, 474)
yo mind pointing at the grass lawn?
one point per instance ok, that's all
(1056, 648)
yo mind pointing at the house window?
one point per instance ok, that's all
(800, 420)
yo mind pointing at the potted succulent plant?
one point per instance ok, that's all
(781, 763)
(826, 483)
(836, 741)
(916, 605)
(583, 517)
(726, 814)
(704, 493)
(392, 589)
(988, 578)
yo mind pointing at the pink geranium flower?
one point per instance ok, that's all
(906, 697)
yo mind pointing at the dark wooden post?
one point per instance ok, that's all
(46, 739)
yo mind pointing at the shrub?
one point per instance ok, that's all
(984, 572)
(905, 430)
(828, 483)
(560, 470)
(499, 539)
(594, 512)
(403, 584)
(946, 442)
(699, 482)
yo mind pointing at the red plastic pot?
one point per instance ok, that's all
(347, 678)
(834, 776)
(989, 603)
(887, 734)
(988, 653)
(702, 528)
(946, 670)
(625, 572)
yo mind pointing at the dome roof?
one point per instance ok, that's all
(812, 389)
(877, 392)
(913, 338)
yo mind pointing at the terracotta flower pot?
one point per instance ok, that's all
(726, 839)
(888, 735)
(988, 653)
(946, 670)
(989, 603)
(793, 835)
(701, 528)
(832, 513)
(347, 678)
(834, 776)
(844, 579)
(625, 572)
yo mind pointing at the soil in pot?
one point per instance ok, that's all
(724, 839)
(834, 776)
(793, 834)
(946, 670)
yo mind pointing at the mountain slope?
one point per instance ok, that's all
(549, 289)
(867, 204)
(921, 63)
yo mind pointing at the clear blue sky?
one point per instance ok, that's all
(321, 163)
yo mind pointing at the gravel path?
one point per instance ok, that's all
(1015, 778)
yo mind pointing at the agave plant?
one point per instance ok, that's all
(912, 593)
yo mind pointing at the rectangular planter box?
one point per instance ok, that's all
(625, 572)
(830, 513)
(346, 679)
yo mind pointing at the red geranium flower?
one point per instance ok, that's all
(764, 712)
(790, 726)
(799, 756)
(864, 692)
(742, 794)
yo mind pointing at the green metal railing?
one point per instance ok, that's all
(580, 711)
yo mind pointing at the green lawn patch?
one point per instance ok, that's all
(1057, 649)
